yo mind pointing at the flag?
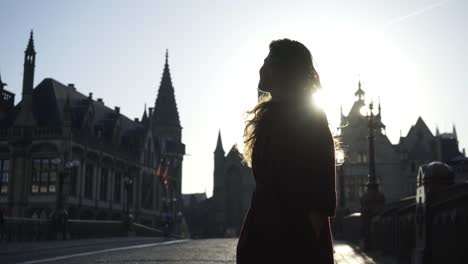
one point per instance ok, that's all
(158, 170)
(166, 172)
(166, 176)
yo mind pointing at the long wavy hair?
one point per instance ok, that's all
(292, 63)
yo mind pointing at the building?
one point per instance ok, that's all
(396, 164)
(60, 148)
(232, 189)
(223, 213)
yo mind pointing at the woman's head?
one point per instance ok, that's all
(288, 71)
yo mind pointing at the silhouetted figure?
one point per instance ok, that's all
(291, 150)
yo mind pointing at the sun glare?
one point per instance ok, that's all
(345, 53)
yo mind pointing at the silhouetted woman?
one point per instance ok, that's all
(291, 151)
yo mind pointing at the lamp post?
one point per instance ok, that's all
(61, 215)
(179, 222)
(372, 200)
(128, 183)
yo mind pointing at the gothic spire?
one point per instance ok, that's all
(30, 49)
(165, 112)
(145, 114)
(25, 116)
(359, 93)
(219, 144)
(380, 108)
(454, 131)
(437, 131)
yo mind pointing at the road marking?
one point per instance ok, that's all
(103, 251)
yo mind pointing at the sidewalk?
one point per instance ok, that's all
(347, 253)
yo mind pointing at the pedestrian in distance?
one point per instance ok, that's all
(291, 150)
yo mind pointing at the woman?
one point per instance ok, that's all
(291, 151)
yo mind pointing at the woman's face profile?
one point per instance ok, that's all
(265, 81)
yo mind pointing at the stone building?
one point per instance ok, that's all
(60, 148)
(396, 164)
(223, 213)
(232, 189)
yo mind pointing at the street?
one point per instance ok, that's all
(143, 250)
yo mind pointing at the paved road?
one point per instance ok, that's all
(147, 250)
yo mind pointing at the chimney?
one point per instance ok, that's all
(71, 86)
(90, 96)
(117, 109)
(100, 101)
(137, 119)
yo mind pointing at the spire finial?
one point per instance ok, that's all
(167, 56)
(437, 130)
(380, 108)
(219, 144)
(454, 131)
(359, 93)
(30, 48)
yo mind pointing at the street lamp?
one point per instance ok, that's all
(372, 199)
(179, 222)
(61, 215)
(128, 182)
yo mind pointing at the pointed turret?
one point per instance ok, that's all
(165, 112)
(30, 48)
(360, 93)
(25, 116)
(219, 144)
(219, 177)
(144, 118)
(454, 131)
(380, 108)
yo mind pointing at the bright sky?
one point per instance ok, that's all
(411, 54)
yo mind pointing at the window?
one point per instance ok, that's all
(88, 192)
(364, 158)
(103, 185)
(117, 186)
(4, 176)
(44, 176)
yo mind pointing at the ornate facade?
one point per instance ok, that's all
(396, 164)
(60, 148)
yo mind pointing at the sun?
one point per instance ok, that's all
(345, 53)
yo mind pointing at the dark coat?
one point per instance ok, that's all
(293, 164)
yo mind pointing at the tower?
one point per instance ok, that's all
(24, 123)
(218, 166)
(25, 117)
(165, 125)
(166, 116)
